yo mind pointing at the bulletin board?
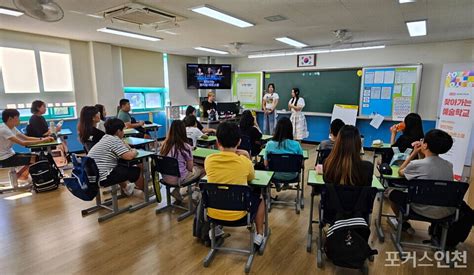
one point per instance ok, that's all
(247, 88)
(391, 91)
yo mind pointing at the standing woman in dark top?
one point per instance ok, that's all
(412, 132)
(249, 127)
(37, 126)
(344, 164)
(88, 133)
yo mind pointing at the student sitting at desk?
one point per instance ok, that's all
(176, 146)
(328, 144)
(103, 117)
(411, 129)
(430, 167)
(344, 164)
(233, 166)
(107, 153)
(190, 110)
(88, 133)
(192, 132)
(124, 115)
(10, 135)
(282, 143)
(249, 127)
(37, 125)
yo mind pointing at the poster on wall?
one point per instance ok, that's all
(391, 92)
(247, 88)
(456, 114)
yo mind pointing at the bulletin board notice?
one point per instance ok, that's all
(390, 91)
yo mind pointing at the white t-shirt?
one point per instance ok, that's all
(300, 103)
(6, 145)
(193, 133)
(269, 99)
(101, 126)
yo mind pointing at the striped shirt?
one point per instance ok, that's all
(106, 154)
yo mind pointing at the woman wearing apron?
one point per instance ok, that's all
(295, 105)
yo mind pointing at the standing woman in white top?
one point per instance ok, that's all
(270, 102)
(295, 105)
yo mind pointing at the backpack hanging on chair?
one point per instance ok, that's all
(84, 180)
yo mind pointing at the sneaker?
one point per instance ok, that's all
(175, 194)
(129, 189)
(196, 195)
(258, 240)
(219, 231)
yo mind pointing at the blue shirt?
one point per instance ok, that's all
(288, 146)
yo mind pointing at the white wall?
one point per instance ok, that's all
(81, 60)
(179, 93)
(432, 55)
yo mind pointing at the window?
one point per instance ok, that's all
(145, 98)
(19, 71)
(56, 71)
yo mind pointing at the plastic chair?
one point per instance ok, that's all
(322, 155)
(287, 163)
(433, 193)
(169, 166)
(230, 197)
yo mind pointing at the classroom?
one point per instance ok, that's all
(236, 137)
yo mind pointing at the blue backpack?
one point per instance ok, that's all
(84, 180)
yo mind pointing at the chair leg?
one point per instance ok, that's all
(213, 251)
(378, 221)
(248, 265)
(298, 206)
(168, 205)
(319, 252)
(398, 237)
(190, 210)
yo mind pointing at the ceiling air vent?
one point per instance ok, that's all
(140, 14)
(275, 18)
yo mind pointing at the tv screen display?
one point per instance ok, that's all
(137, 100)
(208, 76)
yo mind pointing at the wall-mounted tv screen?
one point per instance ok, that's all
(208, 76)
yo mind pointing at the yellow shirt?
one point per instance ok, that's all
(228, 168)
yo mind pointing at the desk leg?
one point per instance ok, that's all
(302, 189)
(146, 178)
(378, 220)
(266, 229)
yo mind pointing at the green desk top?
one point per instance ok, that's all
(130, 131)
(208, 139)
(65, 132)
(203, 152)
(45, 144)
(133, 141)
(316, 179)
(305, 153)
(143, 154)
(266, 137)
(153, 125)
(262, 178)
(394, 175)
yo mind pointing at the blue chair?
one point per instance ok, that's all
(230, 197)
(287, 163)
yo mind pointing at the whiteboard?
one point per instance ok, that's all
(390, 91)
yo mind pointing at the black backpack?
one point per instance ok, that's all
(45, 175)
(459, 230)
(347, 238)
(201, 226)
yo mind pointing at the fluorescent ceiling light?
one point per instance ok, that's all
(129, 34)
(291, 42)
(406, 1)
(315, 51)
(417, 28)
(216, 14)
(210, 50)
(9, 11)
